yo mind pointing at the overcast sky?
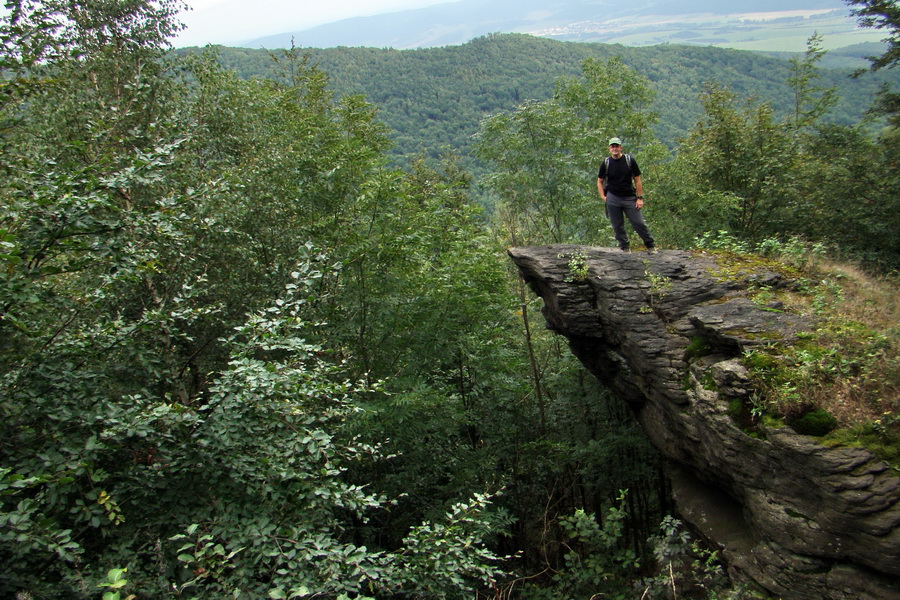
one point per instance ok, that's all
(232, 21)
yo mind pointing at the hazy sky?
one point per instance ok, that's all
(230, 21)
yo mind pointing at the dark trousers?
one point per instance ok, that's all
(618, 209)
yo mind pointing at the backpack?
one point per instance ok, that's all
(627, 162)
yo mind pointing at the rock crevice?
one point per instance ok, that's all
(801, 520)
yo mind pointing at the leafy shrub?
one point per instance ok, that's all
(242, 494)
(816, 422)
(595, 563)
(684, 568)
(723, 240)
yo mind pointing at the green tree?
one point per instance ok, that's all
(545, 155)
(536, 175)
(810, 102)
(683, 207)
(856, 213)
(743, 155)
(883, 14)
(610, 99)
(424, 301)
(164, 409)
(273, 444)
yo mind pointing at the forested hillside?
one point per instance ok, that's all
(252, 345)
(434, 99)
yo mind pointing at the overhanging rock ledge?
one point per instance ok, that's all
(799, 519)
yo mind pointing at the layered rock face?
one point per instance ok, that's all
(801, 520)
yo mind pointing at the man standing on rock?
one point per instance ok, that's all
(620, 186)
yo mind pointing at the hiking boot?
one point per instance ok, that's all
(626, 250)
(652, 251)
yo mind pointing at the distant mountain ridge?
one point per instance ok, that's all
(745, 24)
(432, 100)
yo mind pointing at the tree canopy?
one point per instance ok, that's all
(258, 335)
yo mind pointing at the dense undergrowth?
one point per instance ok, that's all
(841, 380)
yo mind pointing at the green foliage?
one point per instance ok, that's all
(738, 149)
(759, 179)
(816, 422)
(684, 568)
(578, 269)
(839, 351)
(594, 559)
(723, 240)
(698, 347)
(267, 441)
(534, 174)
(879, 436)
(741, 170)
(793, 251)
(810, 102)
(857, 229)
(242, 357)
(435, 98)
(597, 563)
(115, 580)
(880, 14)
(442, 560)
(849, 360)
(660, 286)
(541, 154)
(163, 406)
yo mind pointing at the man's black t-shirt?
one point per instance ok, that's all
(619, 180)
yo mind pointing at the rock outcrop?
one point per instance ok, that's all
(801, 520)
